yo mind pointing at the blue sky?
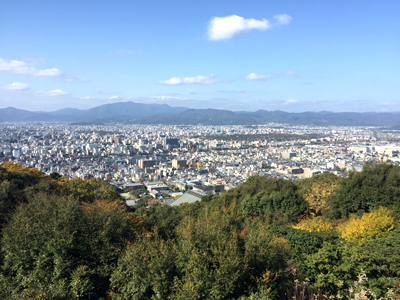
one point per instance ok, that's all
(238, 55)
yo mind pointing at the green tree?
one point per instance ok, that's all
(146, 270)
(278, 200)
(55, 247)
(13, 187)
(377, 185)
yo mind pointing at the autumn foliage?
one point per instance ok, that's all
(18, 168)
(268, 238)
(314, 224)
(376, 224)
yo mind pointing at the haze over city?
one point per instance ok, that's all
(288, 55)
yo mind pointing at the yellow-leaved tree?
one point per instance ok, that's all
(16, 167)
(376, 224)
(318, 194)
(313, 224)
(317, 191)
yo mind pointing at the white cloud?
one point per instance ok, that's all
(165, 98)
(254, 76)
(49, 72)
(58, 92)
(290, 101)
(204, 80)
(200, 80)
(282, 19)
(172, 81)
(87, 98)
(113, 98)
(20, 67)
(15, 86)
(224, 28)
(15, 66)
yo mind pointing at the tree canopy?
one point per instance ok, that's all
(319, 238)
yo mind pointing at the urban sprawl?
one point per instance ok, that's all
(182, 163)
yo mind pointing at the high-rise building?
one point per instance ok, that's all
(171, 143)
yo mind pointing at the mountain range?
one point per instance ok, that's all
(139, 113)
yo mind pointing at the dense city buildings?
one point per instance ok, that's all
(219, 157)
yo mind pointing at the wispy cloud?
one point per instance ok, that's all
(200, 80)
(255, 76)
(15, 86)
(16, 66)
(203, 80)
(282, 19)
(56, 92)
(165, 97)
(54, 72)
(390, 104)
(225, 28)
(21, 67)
(172, 81)
(289, 73)
(290, 101)
(233, 91)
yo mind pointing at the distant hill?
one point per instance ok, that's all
(11, 114)
(139, 113)
(114, 112)
(326, 118)
(66, 112)
(202, 116)
(128, 110)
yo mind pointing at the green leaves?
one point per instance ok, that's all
(51, 242)
(66, 239)
(278, 201)
(376, 185)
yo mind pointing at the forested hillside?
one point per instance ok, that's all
(321, 238)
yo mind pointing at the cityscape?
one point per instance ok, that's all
(169, 160)
(186, 150)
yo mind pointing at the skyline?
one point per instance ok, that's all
(290, 56)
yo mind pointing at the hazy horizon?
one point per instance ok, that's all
(305, 111)
(296, 57)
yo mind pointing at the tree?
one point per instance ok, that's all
(56, 247)
(317, 191)
(146, 270)
(13, 187)
(376, 224)
(278, 199)
(88, 190)
(40, 247)
(377, 185)
(15, 167)
(314, 224)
